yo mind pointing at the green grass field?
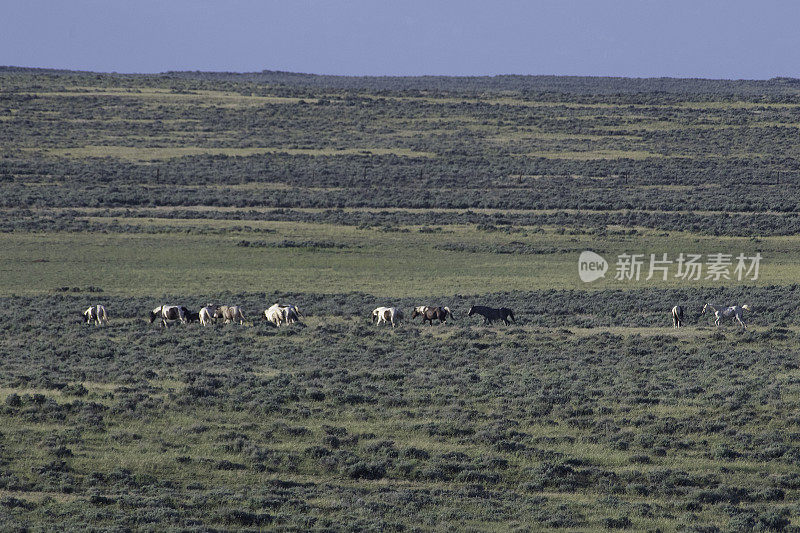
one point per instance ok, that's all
(396, 264)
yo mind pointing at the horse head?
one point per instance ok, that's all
(746, 307)
(153, 316)
(471, 310)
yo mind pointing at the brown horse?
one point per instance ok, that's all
(432, 313)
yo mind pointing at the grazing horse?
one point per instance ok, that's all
(96, 313)
(292, 313)
(677, 316)
(389, 315)
(734, 311)
(190, 316)
(167, 313)
(279, 314)
(432, 313)
(490, 314)
(230, 313)
(206, 315)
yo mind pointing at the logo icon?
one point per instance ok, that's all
(591, 266)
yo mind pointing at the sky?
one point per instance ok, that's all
(731, 39)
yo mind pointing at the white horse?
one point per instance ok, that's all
(167, 313)
(230, 313)
(207, 314)
(96, 313)
(387, 315)
(735, 311)
(677, 316)
(278, 314)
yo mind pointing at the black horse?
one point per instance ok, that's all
(490, 314)
(190, 316)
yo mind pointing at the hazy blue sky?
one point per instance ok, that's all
(697, 38)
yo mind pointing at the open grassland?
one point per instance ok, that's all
(589, 413)
(192, 256)
(533, 427)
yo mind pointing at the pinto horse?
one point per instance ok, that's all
(432, 313)
(167, 313)
(392, 315)
(733, 311)
(491, 314)
(96, 313)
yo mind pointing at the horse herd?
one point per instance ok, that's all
(734, 312)
(279, 315)
(276, 315)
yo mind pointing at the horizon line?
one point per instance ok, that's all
(270, 71)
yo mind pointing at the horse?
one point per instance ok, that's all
(206, 314)
(292, 313)
(96, 313)
(278, 314)
(677, 316)
(190, 316)
(230, 313)
(430, 313)
(167, 313)
(388, 315)
(735, 311)
(490, 314)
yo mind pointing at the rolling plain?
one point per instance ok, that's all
(343, 194)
